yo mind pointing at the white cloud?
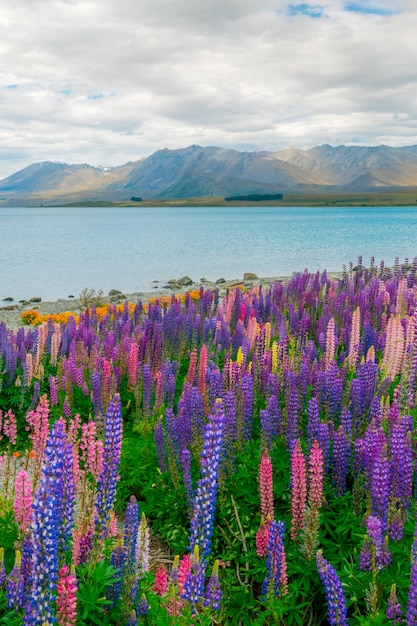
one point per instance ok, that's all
(103, 82)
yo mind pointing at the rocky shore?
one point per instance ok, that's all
(10, 312)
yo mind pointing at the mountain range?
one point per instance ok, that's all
(196, 172)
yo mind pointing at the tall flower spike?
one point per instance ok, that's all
(67, 597)
(266, 487)
(106, 488)
(206, 492)
(275, 580)
(298, 490)
(336, 602)
(213, 593)
(23, 501)
(45, 524)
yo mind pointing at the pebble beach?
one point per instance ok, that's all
(11, 312)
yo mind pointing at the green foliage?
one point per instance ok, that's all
(93, 605)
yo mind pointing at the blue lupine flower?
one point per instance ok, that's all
(206, 491)
(106, 487)
(274, 559)
(40, 608)
(336, 602)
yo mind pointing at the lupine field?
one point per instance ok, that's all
(265, 442)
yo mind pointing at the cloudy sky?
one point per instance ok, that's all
(110, 81)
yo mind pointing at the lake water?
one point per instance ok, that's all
(53, 252)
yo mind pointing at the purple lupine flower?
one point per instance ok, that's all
(396, 526)
(275, 413)
(323, 437)
(340, 458)
(275, 561)
(394, 610)
(96, 393)
(117, 560)
(401, 465)
(36, 393)
(380, 487)
(160, 446)
(53, 390)
(67, 501)
(411, 617)
(206, 492)
(15, 585)
(147, 388)
(247, 391)
(213, 593)
(292, 416)
(374, 542)
(267, 429)
(130, 574)
(106, 486)
(313, 421)
(185, 463)
(336, 602)
(45, 524)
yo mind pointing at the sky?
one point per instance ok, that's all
(105, 82)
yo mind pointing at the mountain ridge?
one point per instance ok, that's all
(196, 171)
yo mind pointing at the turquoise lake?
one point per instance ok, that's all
(54, 252)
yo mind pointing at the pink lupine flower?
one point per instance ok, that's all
(22, 505)
(55, 344)
(67, 597)
(132, 367)
(10, 427)
(330, 343)
(183, 571)
(73, 428)
(192, 368)
(266, 487)
(315, 494)
(202, 369)
(91, 450)
(161, 580)
(354, 342)
(299, 490)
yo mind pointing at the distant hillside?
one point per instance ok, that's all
(197, 172)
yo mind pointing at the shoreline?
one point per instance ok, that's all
(10, 313)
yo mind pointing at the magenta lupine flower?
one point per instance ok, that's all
(274, 583)
(336, 602)
(106, 487)
(206, 491)
(22, 505)
(45, 531)
(266, 487)
(67, 597)
(161, 581)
